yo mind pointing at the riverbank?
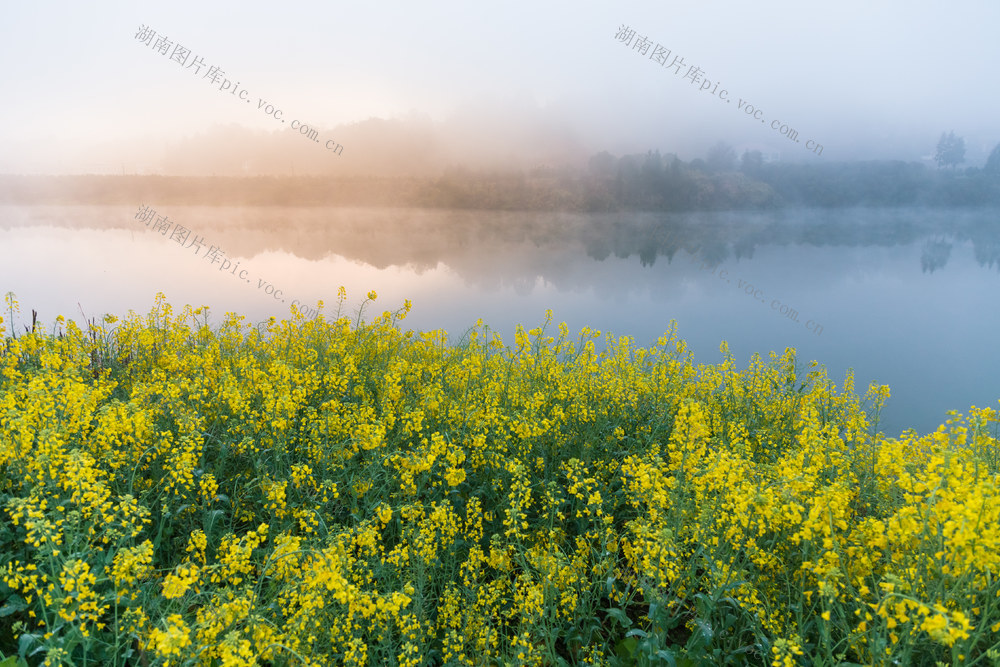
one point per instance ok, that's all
(327, 491)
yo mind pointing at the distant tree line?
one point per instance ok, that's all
(721, 181)
(639, 182)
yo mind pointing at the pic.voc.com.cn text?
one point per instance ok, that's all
(670, 60)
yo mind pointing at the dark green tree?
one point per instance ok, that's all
(950, 150)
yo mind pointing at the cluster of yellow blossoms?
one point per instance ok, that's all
(330, 491)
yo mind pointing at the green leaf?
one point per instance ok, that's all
(25, 642)
(626, 647)
(667, 656)
(705, 627)
(12, 605)
(619, 615)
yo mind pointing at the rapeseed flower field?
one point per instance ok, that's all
(332, 491)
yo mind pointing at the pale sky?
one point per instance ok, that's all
(863, 79)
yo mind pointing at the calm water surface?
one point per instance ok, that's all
(907, 298)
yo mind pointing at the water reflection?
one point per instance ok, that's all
(423, 238)
(935, 255)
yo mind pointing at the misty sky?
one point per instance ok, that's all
(866, 80)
